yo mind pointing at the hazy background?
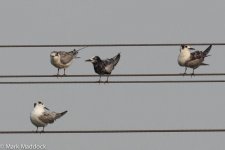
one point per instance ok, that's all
(113, 106)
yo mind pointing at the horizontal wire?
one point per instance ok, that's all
(111, 82)
(117, 131)
(113, 75)
(104, 45)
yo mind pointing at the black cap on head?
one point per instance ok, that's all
(182, 46)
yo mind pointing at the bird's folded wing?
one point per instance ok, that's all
(196, 55)
(109, 68)
(47, 117)
(66, 57)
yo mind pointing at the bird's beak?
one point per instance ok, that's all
(88, 60)
(77, 57)
(46, 108)
(191, 48)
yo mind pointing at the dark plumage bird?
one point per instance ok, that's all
(104, 67)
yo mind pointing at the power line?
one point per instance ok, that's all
(105, 45)
(116, 131)
(113, 75)
(113, 82)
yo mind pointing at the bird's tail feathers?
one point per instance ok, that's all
(116, 58)
(207, 51)
(203, 64)
(58, 115)
(81, 48)
(75, 51)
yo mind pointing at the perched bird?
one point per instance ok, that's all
(192, 60)
(41, 117)
(62, 59)
(104, 67)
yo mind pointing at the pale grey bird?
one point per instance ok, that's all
(62, 59)
(104, 67)
(41, 116)
(192, 60)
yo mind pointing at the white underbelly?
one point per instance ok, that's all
(34, 119)
(182, 59)
(58, 64)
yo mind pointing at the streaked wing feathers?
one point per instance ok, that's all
(197, 55)
(111, 63)
(66, 57)
(48, 117)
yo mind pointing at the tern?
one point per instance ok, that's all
(41, 116)
(192, 60)
(104, 67)
(63, 59)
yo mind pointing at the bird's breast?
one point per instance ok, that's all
(55, 61)
(183, 58)
(35, 121)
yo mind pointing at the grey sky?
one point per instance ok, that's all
(118, 106)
